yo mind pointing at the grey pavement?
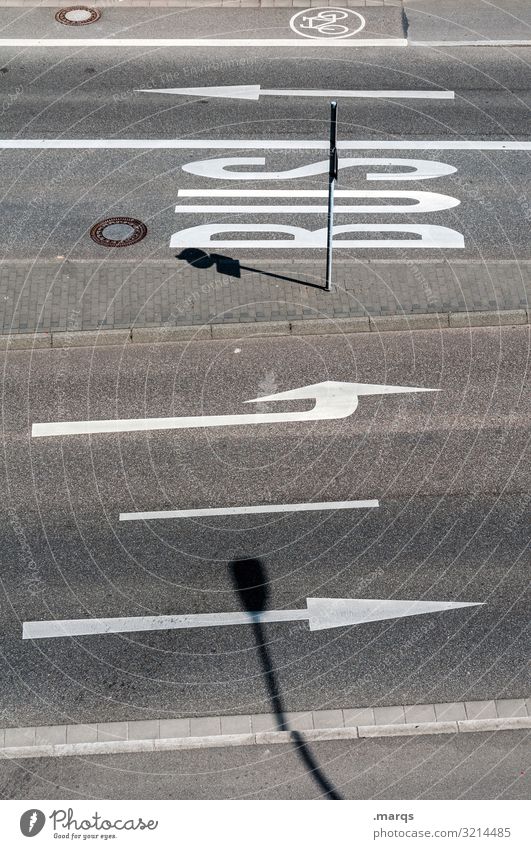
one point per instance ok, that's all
(467, 766)
(447, 20)
(448, 468)
(74, 296)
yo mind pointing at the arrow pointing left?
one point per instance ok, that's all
(254, 92)
(321, 613)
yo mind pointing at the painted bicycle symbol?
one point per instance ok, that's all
(326, 22)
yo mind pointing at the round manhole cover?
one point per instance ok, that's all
(77, 16)
(118, 232)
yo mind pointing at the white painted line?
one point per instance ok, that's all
(296, 193)
(255, 144)
(473, 43)
(333, 400)
(254, 92)
(421, 202)
(200, 42)
(242, 511)
(321, 613)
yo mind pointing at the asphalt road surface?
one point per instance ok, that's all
(51, 197)
(448, 469)
(469, 766)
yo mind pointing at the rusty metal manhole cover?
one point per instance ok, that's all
(77, 16)
(118, 232)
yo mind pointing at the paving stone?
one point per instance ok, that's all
(328, 719)
(81, 733)
(481, 710)
(19, 737)
(450, 711)
(263, 722)
(358, 716)
(299, 720)
(174, 728)
(205, 726)
(50, 735)
(419, 713)
(388, 715)
(108, 731)
(511, 707)
(236, 724)
(143, 729)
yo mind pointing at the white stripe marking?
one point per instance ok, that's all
(201, 42)
(241, 511)
(254, 144)
(473, 43)
(422, 202)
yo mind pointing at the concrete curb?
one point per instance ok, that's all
(239, 330)
(171, 744)
(154, 735)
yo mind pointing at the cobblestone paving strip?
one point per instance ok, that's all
(62, 296)
(201, 4)
(147, 735)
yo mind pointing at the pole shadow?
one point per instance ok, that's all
(251, 584)
(233, 267)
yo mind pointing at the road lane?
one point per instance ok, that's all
(51, 198)
(473, 766)
(448, 469)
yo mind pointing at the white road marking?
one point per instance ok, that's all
(333, 400)
(254, 92)
(256, 144)
(474, 43)
(421, 169)
(321, 613)
(431, 236)
(422, 202)
(247, 510)
(201, 42)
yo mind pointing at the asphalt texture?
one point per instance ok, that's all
(453, 20)
(466, 767)
(51, 199)
(449, 469)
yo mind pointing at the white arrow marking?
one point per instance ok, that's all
(321, 613)
(254, 92)
(255, 508)
(333, 400)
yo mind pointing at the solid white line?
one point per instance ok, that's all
(473, 43)
(202, 42)
(291, 193)
(240, 511)
(360, 93)
(253, 144)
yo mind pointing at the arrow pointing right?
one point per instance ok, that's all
(333, 400)
(321, 613)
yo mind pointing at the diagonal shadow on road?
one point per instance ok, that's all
(250, 580)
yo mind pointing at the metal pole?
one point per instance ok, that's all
(332, 177)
